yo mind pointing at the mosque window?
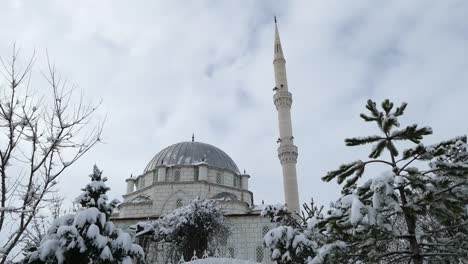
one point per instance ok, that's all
(231, 252)
(196, 174)
(166, 177)
(177, 175)
(179, 203)
(237, 181)
(219, 178)
(142, 182)
(265, 230)
(223, 241)
(259, 253)
(155, 176)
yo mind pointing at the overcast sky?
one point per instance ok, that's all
(165, 69)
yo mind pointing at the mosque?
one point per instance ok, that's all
(186, 170)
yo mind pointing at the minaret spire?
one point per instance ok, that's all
(287, 151)
(278, 48)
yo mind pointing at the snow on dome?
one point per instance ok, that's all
(193, 153)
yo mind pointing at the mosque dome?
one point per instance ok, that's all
(193, 153)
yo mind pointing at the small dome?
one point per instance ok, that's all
(193, 153)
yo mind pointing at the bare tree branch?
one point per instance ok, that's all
(44, 135)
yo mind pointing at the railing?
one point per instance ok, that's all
(215, 259)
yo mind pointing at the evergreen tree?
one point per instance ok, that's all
(290, 241)
(87, 236)
(414, 212)
(191, 228)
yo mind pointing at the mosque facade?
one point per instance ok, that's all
(184, 171)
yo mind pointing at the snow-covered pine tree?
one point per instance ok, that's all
(414, 212)
(290, 241)
(87, 236)
(191, 228)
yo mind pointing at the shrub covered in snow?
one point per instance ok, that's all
(189, 228)
(289, 241)
(407, 214)
(87, 236)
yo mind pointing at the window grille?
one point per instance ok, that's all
(223, 241)
(265, 230)
(231, 252)
(237, 181)
(219, 178)
(177, 175)
(179, 203)
(259, 253)
(196, 174)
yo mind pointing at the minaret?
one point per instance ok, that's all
(287, 151)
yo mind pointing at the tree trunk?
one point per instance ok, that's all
(411, 225)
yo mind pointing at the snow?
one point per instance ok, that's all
(188, 215)
(89, 215)
(93, 231)
(106, 254)
(220, 261)
(356, 214)
(275, 235)
(123, 241)
(88, 231)
(67, 230)
(325, 251)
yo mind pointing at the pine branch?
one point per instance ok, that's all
(400, 110)
(387, 106)
(362, 140)
(412, 133)
(344, 171)
(378, 149)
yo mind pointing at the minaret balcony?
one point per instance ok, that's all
(287, 154)
(282, 99)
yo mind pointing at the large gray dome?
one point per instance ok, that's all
(192, 153)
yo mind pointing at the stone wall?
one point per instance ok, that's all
(164, 197)
(186, 173)
(247, 238)
(245, 241)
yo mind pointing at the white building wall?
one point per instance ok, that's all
(246, 239)
(153, 198)
(163, 197)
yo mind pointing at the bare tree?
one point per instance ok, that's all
(41, 135)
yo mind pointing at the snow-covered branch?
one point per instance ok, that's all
(41, 130)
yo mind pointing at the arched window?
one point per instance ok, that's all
(179, 203)
(177, 174)
(219, 178)
(196, 173)
(259, 253)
